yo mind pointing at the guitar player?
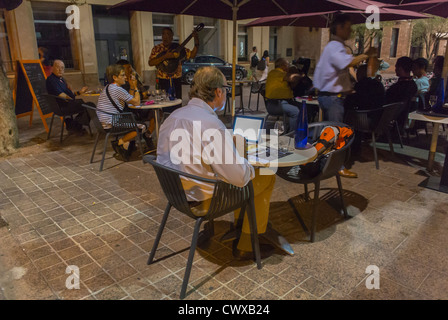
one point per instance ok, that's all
(155, 60)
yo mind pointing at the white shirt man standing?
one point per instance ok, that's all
(332, 76)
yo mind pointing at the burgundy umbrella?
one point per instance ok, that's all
(434, 7)
(322, 19)
(231, 10)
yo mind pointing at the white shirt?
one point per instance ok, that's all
(331, 74)
(180, 147)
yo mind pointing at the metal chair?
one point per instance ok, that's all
(61, 108)
(333, 163)
(122, 123)
(276, 112)
(255, 88)
(226, 198)
(376, 122)
(238, 93)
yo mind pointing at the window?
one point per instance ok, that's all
(394, 42)
(242, 43)
(215, 60)
(51, 32)
(160, 21)
(5, 55)
(209, 36)
(201, 60)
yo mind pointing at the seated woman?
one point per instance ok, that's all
(113, 99)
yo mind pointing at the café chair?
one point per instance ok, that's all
(255, 88)
(377, 122)
(238, 93)
(122, 123)
(61, 108)
(335, 159)
(272, 112)
(226, 198)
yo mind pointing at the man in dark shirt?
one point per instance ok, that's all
(369, 93)
(57, 86)
(404, 90)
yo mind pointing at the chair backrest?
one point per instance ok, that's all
(94, 117)
(54, 105)
(363, 120)
(390, 112)
(226, 197)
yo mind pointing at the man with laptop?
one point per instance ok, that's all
(186, 128)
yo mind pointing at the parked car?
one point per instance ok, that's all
(189, 67)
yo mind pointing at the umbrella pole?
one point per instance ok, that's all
(234, 13)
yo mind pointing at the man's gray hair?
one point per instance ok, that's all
(206, 80)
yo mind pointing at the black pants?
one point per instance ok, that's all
(164, 84)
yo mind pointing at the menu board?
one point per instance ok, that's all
(30, 86)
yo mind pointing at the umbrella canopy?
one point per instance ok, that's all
(322, 19)
(231, 10)
(434, 7)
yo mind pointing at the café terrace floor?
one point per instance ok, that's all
(59, 210)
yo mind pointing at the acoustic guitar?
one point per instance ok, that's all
(169, 66)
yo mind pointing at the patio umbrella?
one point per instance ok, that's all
(434, 7)
(323, 19)
(231, 10)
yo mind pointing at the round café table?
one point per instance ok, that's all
(156, 107)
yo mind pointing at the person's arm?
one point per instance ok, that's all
(134, 92)
(357, 60)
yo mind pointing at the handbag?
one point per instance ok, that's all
(125, 108)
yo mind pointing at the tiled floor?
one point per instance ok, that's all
(61, 211)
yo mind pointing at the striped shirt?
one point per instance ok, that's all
(119, 95)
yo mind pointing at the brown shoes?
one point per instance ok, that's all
(347, 174)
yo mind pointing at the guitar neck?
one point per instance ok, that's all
(182, 45)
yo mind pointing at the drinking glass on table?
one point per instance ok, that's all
(280, 127)
(432, 100)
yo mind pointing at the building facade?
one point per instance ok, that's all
(102, 38)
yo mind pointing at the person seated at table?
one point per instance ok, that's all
(208, 95)
(279, 95)
(300, 85)
(434, 88)
(113, 99)
(419, 67)
(368, 92)
(404, 90)
(139, 114)
(58, 86)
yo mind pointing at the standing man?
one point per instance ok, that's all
(253, 59)
(332, 76)
(155, 59)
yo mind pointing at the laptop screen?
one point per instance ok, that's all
(248, 127)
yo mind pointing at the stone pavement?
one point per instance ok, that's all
(60, 211)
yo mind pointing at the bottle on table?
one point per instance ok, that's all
(301, 134)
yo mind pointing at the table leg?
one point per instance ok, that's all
(156, 119)
(432, 150)
(321, 116)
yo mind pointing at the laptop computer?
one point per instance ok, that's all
(249, 127)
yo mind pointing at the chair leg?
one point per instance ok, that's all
(258, 100)
(159, 233)
(375, 155)
(307, 195)
(251, 214)
(94, 147)
(399, 135)
(250, 95)
(62, 130)
(315, 207)
(104, 151)
(391, 146)
(51, 126)
(194, 242)
(341, 194)
(90, 130)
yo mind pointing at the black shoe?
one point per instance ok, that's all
(115, 146)
(150, 144)
(127, 153)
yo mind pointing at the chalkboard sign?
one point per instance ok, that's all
(29, 87)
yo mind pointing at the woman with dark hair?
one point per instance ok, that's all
(263, 73)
